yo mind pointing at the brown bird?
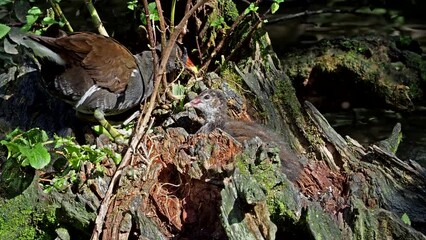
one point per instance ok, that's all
(213, 106)
(95, 74)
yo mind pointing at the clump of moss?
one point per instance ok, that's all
(25, 217)
(229, 9)
(231, 77)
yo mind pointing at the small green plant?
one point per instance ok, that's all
(32, 16)
(218, 23)
(34, 149)
(251, 8)
(152, 9)
(132, 5)
(77, 154)
(178, 91)
(153, 14)
(49, 19)
(28, 148)
(62, 182)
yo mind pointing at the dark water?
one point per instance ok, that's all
(312, 28)
(365, 125)
(370, 126)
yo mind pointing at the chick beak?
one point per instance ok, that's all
(192, 103)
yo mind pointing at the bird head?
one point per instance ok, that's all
(211, 103)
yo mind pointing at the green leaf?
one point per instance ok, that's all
(60, 183)
(143, 18)
(251, 8)
(153, 12)
(12, 148)
(71, 149)
(178, 90)
(32, 16)
(13, 134)
(100, 168)
(75, 161)
(31, 19)
(274, 7)
(61, 23)
(4, 2)
(99, 129)
(116, 157)
(36, 135)
(34, 11)
(38, 156)
(48, 21)
(60, 141)
(4, 29)
(132, 4)
(405, 219)
(152, 7)
(218, 23)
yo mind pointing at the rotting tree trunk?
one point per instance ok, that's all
(346, 191)
(210, 186)
(362, 193)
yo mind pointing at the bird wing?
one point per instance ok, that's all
(106, 61)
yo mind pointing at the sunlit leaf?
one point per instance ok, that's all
(132, 4)
(405, 219)
(274, 7)
(37, 155)
(34, 11)
(4, 29)
(48, 21)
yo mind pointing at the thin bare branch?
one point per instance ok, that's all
(58, 11)
(222, 42)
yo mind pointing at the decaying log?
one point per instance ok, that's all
(345, 191)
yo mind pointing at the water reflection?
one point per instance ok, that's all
(312, 28)
(371, 126)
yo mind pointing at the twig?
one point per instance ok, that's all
(241, 43)
(58, 11)
(167, 52)
(185, 27)
(228, 34)
(222, 42)
(95, 18)
(224, 38)
(307, 13)
(162, 23)
(163, 41)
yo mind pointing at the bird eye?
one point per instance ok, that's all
(206, 97)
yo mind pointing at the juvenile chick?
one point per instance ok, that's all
(213, 106)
